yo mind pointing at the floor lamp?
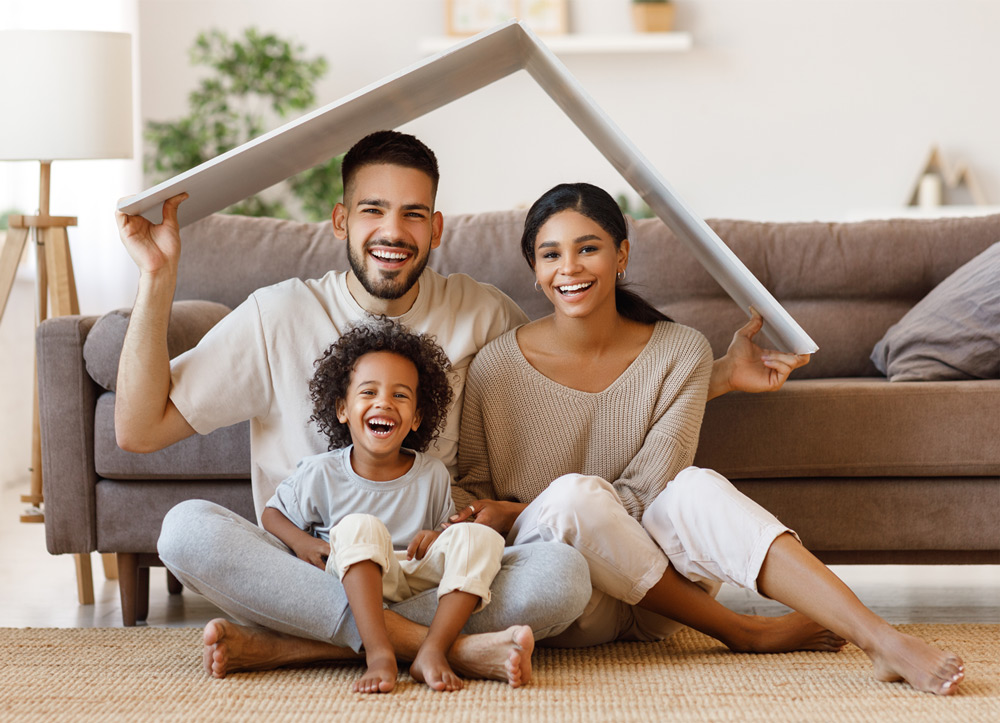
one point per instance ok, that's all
(69, 97)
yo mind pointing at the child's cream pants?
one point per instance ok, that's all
(465, 557)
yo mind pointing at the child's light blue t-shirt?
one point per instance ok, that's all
(325, 488)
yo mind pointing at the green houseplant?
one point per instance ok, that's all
(254, 81)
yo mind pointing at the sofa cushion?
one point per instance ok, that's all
(189, 320)
(953, 333)
(844, 283)
(855, 428)
(223, 454)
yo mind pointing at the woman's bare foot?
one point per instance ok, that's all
(505, 655)
(898, 656)
(380, 677)
(230, 648)
(783, 634)
(431, 667)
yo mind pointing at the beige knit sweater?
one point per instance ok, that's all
(521, 430)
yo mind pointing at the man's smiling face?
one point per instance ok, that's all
(389, 223)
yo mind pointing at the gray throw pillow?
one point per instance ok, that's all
(189, 321)
(953, 333)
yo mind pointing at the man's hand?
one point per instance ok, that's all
(152, 246)
(420, 543)
(493, 513)
(748, 368)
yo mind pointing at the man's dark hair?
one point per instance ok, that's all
(389, 147)
(334, 370)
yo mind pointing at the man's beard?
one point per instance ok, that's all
(386, 285)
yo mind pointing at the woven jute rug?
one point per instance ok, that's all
(155, 674)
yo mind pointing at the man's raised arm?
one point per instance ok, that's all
(145, 418)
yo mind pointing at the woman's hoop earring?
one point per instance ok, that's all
(537, 286)
(621, 275)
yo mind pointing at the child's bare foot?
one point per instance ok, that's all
(783, 634)
(898, 656)
(505, 655)
(431, 667)
(230, 648)
(380, 677)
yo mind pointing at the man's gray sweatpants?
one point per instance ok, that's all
(256, 579)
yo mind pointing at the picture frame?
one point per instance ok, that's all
(468, 17)
(545, 17)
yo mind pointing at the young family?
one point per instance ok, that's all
(571, 436)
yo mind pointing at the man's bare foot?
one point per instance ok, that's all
(898, 656)
(505, 655)
(230, 648)
(380, 677)
(431, 667)
(783, 634)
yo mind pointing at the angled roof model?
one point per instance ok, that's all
(428, 85)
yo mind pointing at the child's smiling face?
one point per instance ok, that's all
(381, 404)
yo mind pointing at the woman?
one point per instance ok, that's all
(605, 397)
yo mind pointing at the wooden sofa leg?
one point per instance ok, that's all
(84, 579)
(128, 586)
(142, 593)
(174, 586)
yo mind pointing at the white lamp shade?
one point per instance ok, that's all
(67, 95)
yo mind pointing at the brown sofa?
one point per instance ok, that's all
(866, 470)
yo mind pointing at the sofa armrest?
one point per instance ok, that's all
(66, 401)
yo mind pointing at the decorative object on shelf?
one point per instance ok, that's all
(546, 17)
(468, 17)
(940, 185)
(653, 16)
(251, 72)
(70, 98)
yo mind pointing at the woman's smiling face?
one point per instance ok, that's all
(576, 263)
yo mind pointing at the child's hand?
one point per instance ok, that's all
(314, 551)
(421, 543)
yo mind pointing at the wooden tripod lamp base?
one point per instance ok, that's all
(55, 296)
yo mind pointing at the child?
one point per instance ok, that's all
(370, 510)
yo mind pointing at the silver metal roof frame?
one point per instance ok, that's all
(431, 84)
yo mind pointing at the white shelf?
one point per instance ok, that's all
(676, 42)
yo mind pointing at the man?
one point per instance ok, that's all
(255, 365)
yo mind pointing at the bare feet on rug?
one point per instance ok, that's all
(380, 677)
(230, 648)
(898, 656)
(783, 634)
(431, 667)
(505, 655)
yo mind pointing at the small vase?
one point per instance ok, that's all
(653, 17)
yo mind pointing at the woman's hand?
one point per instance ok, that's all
(748, 368)
(493, 513)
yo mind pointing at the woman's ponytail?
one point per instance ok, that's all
(632, 306)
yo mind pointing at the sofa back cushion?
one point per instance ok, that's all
(845, 283)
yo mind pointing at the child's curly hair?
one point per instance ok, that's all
(334, 369)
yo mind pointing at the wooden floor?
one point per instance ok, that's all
(39, 590)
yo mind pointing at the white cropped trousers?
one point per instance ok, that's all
(464, 557)
(701, 524)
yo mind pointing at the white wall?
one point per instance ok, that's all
(785, 109)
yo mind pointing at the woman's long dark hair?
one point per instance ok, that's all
(597, 205)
